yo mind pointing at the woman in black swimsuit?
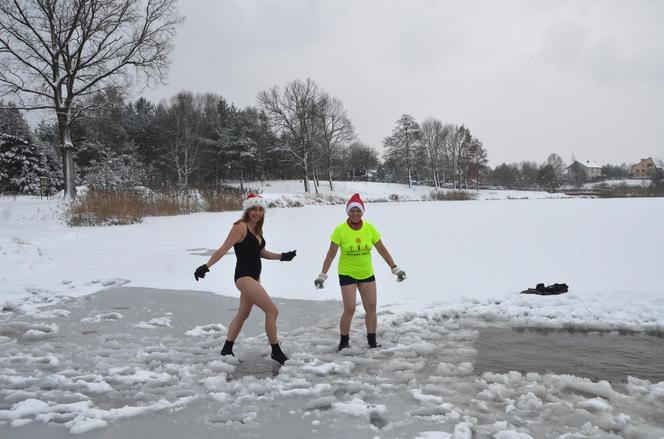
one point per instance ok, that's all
(246, 237)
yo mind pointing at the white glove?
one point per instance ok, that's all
(320, 280)
(399, 273)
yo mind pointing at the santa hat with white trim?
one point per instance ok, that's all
(355, 201)
(254, 200)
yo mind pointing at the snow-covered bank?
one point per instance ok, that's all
(290, 193)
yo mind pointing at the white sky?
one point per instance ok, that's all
(528, 77)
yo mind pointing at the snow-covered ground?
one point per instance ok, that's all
(130, 358)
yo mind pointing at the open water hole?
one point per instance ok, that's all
(610, 356)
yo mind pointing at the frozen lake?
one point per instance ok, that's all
(144, 352)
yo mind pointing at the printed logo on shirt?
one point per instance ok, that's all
(358, 250)
(358, 240)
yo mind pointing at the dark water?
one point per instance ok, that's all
(607, 356)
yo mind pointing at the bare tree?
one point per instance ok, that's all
(293, 115)
(557, 164)
(402, 144)
(183, 124)
(454, 145)
(433, 138)
(336, 131)
(56, 54)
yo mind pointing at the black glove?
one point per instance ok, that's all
(288, 256)
(200, 272)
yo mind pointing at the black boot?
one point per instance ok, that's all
(278, 355)
(371, 339)
(228, 348)
(344, 342)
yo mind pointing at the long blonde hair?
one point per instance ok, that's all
(259, 225)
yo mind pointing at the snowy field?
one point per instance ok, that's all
(143, 353)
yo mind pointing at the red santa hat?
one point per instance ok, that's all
(355, 201)
(254, 200)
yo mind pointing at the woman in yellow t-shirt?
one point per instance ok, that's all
(356, 238)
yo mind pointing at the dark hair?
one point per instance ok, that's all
(259, 225)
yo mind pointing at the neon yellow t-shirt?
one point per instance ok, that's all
(355, 245)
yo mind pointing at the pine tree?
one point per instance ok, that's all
(21, 165)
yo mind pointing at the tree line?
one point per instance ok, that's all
(199, 140)
(202, 140)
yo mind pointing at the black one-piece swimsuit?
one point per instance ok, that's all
(248, 252)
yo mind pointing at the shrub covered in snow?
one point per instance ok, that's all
(22, 163)
(119, 173)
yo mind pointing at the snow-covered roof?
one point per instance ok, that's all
(588, 164)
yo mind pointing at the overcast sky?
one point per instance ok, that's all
(527, 77)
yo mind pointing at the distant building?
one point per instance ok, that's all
(584, 171)
(647, 168)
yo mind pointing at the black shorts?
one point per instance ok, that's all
(347, 280)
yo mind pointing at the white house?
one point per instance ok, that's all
(583, 171)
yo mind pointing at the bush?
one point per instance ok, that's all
(99, 207)
(223, 199)
(120, 173)
(452, 195)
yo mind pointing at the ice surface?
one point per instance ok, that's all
(110, 382)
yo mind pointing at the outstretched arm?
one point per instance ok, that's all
(382, 250)
(270, 255)
(331, 254)
(234, 236)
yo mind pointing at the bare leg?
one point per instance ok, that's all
(368, 295)
(348, 294)
(256, 295)
(242, 314)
